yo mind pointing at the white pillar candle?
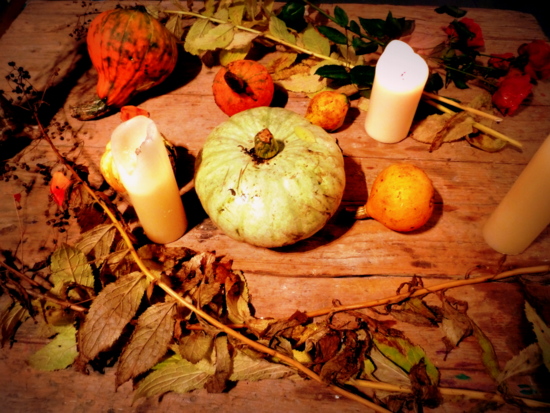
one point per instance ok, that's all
(145, 170)
(399, 79)
(524, 212)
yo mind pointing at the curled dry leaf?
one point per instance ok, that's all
(109, 313)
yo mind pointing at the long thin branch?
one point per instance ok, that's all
(253, 344)
(446, 391)
(262, 34)
(426, 290)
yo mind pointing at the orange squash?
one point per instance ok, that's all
(243, 84)
(132, 52)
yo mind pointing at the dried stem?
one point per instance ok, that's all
(427, 290)
(461, 107)
(445, 391)
(478, 125)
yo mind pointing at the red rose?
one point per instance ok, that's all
(501, 61)
(538, 53)
(512, 90)
(472, 36)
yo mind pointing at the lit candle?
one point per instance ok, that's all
(399, 79)
(145, 170)
(524, 212)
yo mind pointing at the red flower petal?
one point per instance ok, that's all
(538, 65)
(58, 187)
(513, 89)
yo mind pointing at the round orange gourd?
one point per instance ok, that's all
(132, 52)
(243, 84)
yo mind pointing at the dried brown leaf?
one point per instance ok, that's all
(456, 325)
(218, 382)
(237, 298)
(427, 130)
(148, 343)
(196, 346)
(525, 362)
(348, 361)
(12, 314)
(99, 240)
(110, 312)
(541, 330)
(250, 368)
(416, 312)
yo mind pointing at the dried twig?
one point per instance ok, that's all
(461, 107)
(478, 125)
(426, 290)
(445, 391)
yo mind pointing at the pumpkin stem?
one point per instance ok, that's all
(362, 213)
(90, 110)
(265, 146)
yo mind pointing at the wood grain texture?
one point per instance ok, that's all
(349, 261)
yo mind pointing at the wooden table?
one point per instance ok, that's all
(350, 261)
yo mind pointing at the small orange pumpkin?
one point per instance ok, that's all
(132, 52)
(243, 84)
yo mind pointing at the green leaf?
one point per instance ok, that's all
(59, 353)
(70, 265)
(197, 31)
(361, 47)
(340, 16)
(452, 11)
(292, 14)
(354, 27)
(398, 27)
(362, 75)
(403, 353)
(333, 34)
(148, 343)
(175, 375)
(379, 367)
(278, 29)
(110, 312)
(434, 83)
(374, 27)
(333, 72)
(218, 37)
(542, 332)
(315, 42)
(236, 13)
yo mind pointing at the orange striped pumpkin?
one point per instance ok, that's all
(132, 52)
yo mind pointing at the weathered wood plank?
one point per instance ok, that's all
(347, 261)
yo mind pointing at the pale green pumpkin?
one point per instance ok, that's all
(270, 202)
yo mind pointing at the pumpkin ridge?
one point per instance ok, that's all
(137, 72)
(119, 82)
